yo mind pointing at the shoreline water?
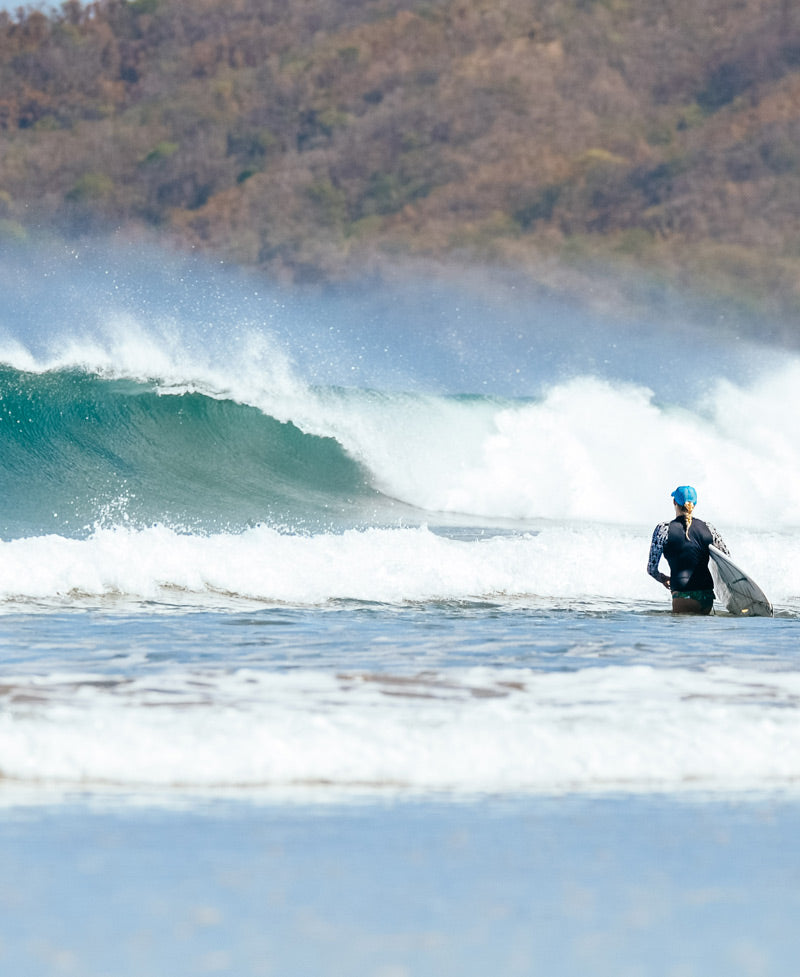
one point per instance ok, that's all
(547, 886)
(475, 698)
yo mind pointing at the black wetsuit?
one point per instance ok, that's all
(687, 558)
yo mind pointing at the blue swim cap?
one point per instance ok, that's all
(684, 494)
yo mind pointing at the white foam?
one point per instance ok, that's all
(588, 450)
(559, 561)
(465, 731)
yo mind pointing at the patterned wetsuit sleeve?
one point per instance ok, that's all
(717, 540)
(660, 534)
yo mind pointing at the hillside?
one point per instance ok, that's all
(315, 140)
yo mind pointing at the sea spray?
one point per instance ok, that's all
(457, 331)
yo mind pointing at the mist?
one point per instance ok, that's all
(447, 330)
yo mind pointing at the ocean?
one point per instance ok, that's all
(327, 642)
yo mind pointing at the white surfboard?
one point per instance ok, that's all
(740, 593)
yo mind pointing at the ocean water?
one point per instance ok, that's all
(313, 604)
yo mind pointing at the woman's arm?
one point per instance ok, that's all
(660, 534)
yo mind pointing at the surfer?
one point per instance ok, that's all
(684, 544)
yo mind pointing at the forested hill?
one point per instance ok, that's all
(311, 138)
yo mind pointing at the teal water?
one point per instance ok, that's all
(79, 450)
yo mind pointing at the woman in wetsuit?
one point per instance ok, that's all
(684, 544)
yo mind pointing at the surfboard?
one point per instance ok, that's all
(740, 593)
